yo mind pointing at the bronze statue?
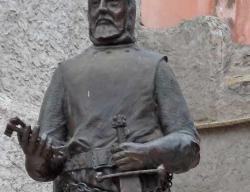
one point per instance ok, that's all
(113, 83)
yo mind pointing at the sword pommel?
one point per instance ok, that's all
(120, 123)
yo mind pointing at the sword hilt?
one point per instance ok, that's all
(120, 123)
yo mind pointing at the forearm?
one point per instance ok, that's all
(178, 152)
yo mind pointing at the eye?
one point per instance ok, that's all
(114, 3)
(95, 3)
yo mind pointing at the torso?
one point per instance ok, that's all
(106, 81)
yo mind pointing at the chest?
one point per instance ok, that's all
(109, 75)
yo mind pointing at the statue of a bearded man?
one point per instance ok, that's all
(112, 77)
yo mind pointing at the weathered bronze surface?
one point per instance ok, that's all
(75, 144)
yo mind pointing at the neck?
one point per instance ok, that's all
(125, 38)
(117, 46)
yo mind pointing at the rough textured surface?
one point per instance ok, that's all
(204, 59)
(224, 166)
(213, 72)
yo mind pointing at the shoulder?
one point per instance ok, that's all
(160, 60)
(73, 63)
(152, 55)
(77, 58)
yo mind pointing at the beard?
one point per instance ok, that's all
(106, 31)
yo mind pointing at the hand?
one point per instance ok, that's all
(131, 156)
(41, 159)
(29, 140)
(38, 150)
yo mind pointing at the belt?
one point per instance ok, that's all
(102, 158)
(93, 159)
(81, 187)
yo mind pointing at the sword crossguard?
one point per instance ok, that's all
(160, 171)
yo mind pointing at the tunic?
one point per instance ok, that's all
(88, 90)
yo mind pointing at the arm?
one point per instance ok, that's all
(41, 164)
(179, 149)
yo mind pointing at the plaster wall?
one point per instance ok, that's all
(213, 73)
(242, 24)
(167, 13)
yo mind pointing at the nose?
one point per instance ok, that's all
(103, 6)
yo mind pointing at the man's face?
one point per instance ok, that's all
(107, 18)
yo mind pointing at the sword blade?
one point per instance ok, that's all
(127, 183)
(130, 184)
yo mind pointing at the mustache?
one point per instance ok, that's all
(104, 19)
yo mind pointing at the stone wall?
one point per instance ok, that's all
(213, 72)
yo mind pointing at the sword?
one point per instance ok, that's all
(160, 171)
(128, 183)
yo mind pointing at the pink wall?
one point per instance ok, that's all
(167, 13)
(242, 21)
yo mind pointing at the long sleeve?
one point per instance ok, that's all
(53, 116)
(179, 149)
(52, 122)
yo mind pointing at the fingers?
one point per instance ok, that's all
(59, 158)
(41, 145)
(124, 146)
(44, 148)
(49, 149)
(121, 147)
(19, 137)
(129, 163)
(126, 167)
(124, 150)
(116, 149)
(129, 156)
(34, 138)
(25, 139)
(119, 155)
(125, 161)
(57, 162)
(122, 161)
(16, 121)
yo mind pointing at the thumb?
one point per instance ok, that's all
(58, 160)
(126, 145)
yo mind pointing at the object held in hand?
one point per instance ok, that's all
(131, 183)
(160, 170)
(18, 127)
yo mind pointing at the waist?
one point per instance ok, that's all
(81, 180)
(83, 168)
(93, 159)
(86, 138)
